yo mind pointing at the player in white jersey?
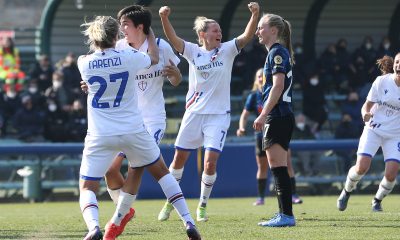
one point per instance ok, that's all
(381, 114)
(207, 116)
(115, 124)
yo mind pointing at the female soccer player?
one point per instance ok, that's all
(207, 116)
(115, 124)
(276, 119)
(381, 114)
(254, 104)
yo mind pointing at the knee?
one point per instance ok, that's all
(210, 166)
(390, 177)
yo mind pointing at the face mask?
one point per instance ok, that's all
(368, 46)
(314, 81)
(386, 46)
(11, 94)
(299, 50)
(301, 125)
(33, 90)
(57, 84)
(52, 107)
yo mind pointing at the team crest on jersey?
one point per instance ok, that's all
(389, 113)
(277, 59)
(205, 75)
(142, 85)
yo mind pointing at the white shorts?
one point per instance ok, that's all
(156, 130)
(370, 143)
(208, 130)
(99, 152)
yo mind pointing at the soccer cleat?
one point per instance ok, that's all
(342, 200)
(95, 234)
(296, 199)
(258, 202)
(192, 232)
(279, 220)
(201, 214)
(376, 206)
(165, 212)
(112, 231)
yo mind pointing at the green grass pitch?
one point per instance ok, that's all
(230, 218)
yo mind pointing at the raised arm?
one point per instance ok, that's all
(251, 27)
(153, 48)
(169, 31)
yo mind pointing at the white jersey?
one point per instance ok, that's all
(149, 82)
(386, 111)
(112, 100)
(209, 78)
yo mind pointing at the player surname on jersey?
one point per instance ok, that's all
(104, 63)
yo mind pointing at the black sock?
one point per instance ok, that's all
(293, 184)
(283, 190)
(261, 183)
(377, 200)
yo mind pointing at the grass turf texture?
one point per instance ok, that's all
(230, 218)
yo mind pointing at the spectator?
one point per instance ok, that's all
(299, 67)
(10, 73)
(369, 55)
(359, 74)
(352, 107)
(11, 104)
(346, 130)
(385, 48)
(328, 66)
(28, 122)
(38, 99)
(57, 92)
(55, 121)
(314, 103)
(77, 122)
(72, 77)
(307, 160)
(344, 60)
(42, 71)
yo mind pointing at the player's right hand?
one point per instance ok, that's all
(240, 132)
(367, 116)
(84, 87)
(164, 11)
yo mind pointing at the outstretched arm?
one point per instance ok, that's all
(169, 30)
(251, 27)
(153, 48)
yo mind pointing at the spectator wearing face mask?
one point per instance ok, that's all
(56, 120)
(369, 55)
(57, 92)
(329, 68)
(385, 48)
(299, 66)
(11, 103)
(307, 160)
(344, 60)
(314, 103)
(42, 71)
(72, 77)
(28, 122)
(37, 97)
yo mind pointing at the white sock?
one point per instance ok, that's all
(114, 194)
(385, 187)
(177, 173)
(352, 179)
(125, 202)
(174, 194)
(89, 208)
(207, 183)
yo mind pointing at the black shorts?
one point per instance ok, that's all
(278, 130)
(259, 151)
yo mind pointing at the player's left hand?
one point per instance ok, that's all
(172, 73)
(253, 7)
(259, 123)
